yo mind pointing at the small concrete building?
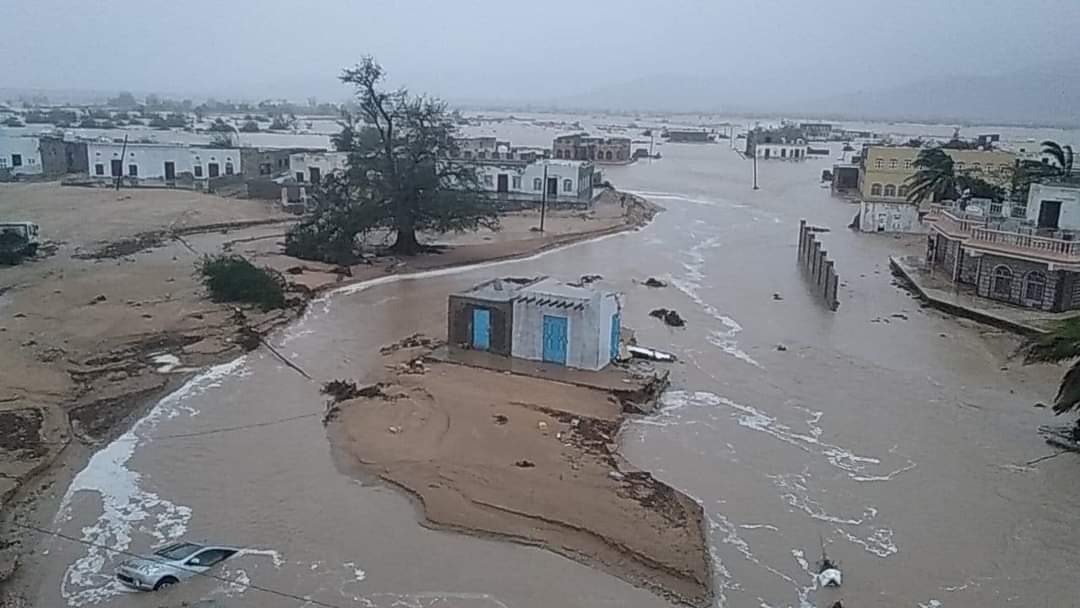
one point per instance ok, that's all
(582, 146)
(61, 157)
(309, 167)
(160, 162)
(689, 136)
(568, 181)
(538, 319)
(19, 156)
(781, 151)
(878, 216)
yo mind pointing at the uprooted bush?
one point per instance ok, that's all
(231, 278)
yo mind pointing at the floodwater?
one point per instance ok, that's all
(894, 435)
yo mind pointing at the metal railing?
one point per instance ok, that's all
(953, 224)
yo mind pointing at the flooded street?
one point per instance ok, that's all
(892, 433)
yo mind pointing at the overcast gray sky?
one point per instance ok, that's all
(516, 50)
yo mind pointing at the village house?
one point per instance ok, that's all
(768, 138)
(61, 156)
(601, 150)
(1031, 261)
(688, 136)
(309, 167)
(782, 150)
(883, 186)
(537, 319)
(265, 163)
(816, 131)
(20, 156)
(160, 162)
(490, 149)
(568, 181)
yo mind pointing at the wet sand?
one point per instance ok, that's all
(525, 459)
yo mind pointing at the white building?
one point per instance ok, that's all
(780, 151)
(165, 162)
(567, 180)
(19, 156)
(1054, 206)
(309, 167)
(876, 216)
(574, 326)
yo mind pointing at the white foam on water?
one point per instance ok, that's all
(759, 527)
(879, 543)
(166, 362)
(124, 503)
(931, 604)
(274, 556)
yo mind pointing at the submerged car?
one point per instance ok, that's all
(170, 565)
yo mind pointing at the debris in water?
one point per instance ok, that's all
(99, 298)
(643, 352)
(501, 418)
(654, 282)
(525, 464)
(777, 297)
(341, 390)
(781, 347)
(589, 278)
(898, 315)
(394, 429)
(670, 317)
(617, 476)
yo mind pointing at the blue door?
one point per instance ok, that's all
(614, 337)
(555, 339)
(481, 328)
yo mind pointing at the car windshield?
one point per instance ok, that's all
(177, 551)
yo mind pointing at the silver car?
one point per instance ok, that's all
(170, 565)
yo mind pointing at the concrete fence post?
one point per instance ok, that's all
(833, 298)
(813, 258)
(820, 270)
(823, 284)
(802, 237)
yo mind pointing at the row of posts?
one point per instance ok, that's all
(816, 267)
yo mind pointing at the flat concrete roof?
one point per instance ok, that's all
(498, 290)
(558, 289)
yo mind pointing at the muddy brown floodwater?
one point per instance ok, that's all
(895, 435)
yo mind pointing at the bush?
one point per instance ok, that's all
(13, 122)
(231, 278)
(250, 127)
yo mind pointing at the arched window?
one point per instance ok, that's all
(537, 184)
(568, 185)
(893, 163)
(879, 164)
(1004, 170)
(482, 154)
(902, 191)
(607, 155)
(875, 190)
(890, 190)
(907, 164)
(1001, 286)
(558, 153)
(976, 168)
(468, 153)
(1034, 286)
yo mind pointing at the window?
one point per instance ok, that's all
(875, 190)
(3, 163)
(1034, 286)
(516, 181)
(879, 163)
(537, 184)
(198, 170)
(99, 169)
(300, 177)
(488, 181)
(907, 163)
(568, 185)
(228, 168)
(454, 153)
(607, 155)
(1001, 285)
(468, 153)
(265, 168)
(893, 163)
(495, 155)
(208, 558)
(890, 190)
(976, 168)
(558, 153)
(482, 154)
(902, 191)
(133, 170)
(1005, 170)
(16, 160)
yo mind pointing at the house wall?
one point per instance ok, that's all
(1018, 293)
(898, 217)
(150, 160)
(608, 306)
(261, 163)
(892, 165)
(780, 151)
(579, 174)
(300, 163)
(26, 149)
(588, 331)
(459, 322)
(1070, 203)
(595, 149)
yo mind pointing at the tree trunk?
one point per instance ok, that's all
(406, 243)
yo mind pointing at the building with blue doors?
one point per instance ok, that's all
(538, 319)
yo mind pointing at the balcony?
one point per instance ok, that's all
(1006, 236)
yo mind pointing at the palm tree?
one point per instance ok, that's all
(1061, 344)
(1061, 155)
(935, 178)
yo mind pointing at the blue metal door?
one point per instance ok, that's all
(614, 337)
(481, 328)
(555, 339)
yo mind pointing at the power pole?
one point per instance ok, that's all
(123, 153)
(543, 198)
(755, 168)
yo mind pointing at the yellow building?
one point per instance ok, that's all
(885, 169)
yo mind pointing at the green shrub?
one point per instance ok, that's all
(231, 278)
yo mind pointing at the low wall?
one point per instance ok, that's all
(817, 267)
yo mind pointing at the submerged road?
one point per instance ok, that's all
(895, 435)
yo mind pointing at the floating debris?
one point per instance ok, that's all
(670, 317)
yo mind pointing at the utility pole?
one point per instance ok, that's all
(123, 154)
(755, 168)
(543, 198)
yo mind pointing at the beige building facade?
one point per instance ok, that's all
(884, 170)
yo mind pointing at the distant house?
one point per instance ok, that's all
(310, 167)
(780, 151)
(166, 163)
(689, 136)
(265, 162)
(62, 157)
(492, 150)
(601, 150)
(539, 319)
(817, 131)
